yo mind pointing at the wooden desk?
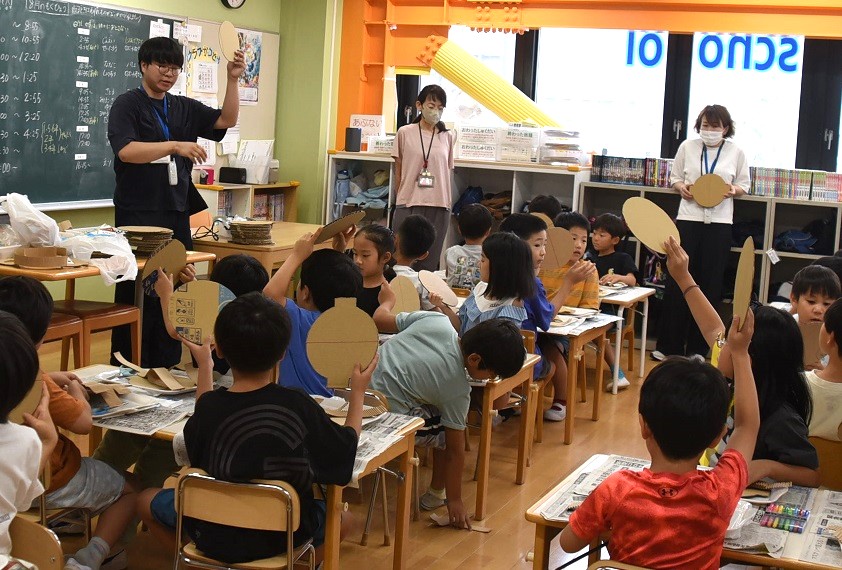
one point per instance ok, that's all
(546, 530)
(71, 274)
(626, 299)
(491, 391)
(405, 450)
(284, 234)
(575, 360)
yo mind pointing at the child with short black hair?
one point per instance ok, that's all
(547, 205)
(826, 385)
(541, 310)
(683, 406)
(422, 373)
(326, 275)
(462, 261)
(814, 289)
(613, 267)
(257, 429)
(76, 481)
(413, 241)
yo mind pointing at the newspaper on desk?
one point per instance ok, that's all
(819, 546)
(567, 498)
(144, 423)
(375, 438)
(580, 326)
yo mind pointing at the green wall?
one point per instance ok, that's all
(303, 114)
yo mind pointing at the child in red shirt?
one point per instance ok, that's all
(672, 515)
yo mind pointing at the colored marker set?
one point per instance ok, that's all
(784, 517)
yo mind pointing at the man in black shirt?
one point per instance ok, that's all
(153, 135)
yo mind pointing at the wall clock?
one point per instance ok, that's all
(233, 4)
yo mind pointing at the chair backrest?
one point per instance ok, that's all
(260, 505)
(200, 219)
(830, 461)
(605, 564)
(36, 544)
(528, 340)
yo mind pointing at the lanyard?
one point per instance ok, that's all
(164, 119)
(712, 167)
(430, 149)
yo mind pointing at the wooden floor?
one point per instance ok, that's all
(511, 539)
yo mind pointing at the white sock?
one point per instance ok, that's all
(93, 554)
(438, 493)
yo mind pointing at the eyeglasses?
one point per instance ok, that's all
(168, 69)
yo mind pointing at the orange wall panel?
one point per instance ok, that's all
(367, 53)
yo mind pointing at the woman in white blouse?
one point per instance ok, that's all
(705, 232)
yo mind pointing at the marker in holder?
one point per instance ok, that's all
(785, 517)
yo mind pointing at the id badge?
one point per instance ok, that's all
(172, 171)
(426, 180)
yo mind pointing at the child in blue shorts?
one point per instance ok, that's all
(257, 429)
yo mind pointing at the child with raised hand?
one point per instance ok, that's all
(782, 451)
(683, 407)
(826, 385)
(257, 429)
(506, 280)
(462, 261)
(26, 450)
(374, 249)
(326, 275)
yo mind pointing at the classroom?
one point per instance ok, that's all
(252, 269)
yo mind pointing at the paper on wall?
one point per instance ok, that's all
(159, 29)
(190, 32)
(210, 149)
(211, 102)
(205, 77)
(251, 43)
(180, 85)
(231, 141)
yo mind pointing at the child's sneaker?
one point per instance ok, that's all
(556, 413)
(622, 383)
(430, 502)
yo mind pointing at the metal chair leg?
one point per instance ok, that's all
(387, 534)
(377, 477)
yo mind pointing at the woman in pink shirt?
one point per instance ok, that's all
(423, 154)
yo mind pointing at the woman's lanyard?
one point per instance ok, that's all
(425, 179)
(707, 169)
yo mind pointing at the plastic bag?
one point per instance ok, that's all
(121, 266)
(35, 228)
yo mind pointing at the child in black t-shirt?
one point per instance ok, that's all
(257, 429)
(613, 267)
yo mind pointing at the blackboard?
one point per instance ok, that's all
(62, 64)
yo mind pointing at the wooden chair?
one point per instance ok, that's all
(606, 564)
(830, 461)
(99, 316)
(260, 505)
(36, 544)
(67, 329)
(543, 385)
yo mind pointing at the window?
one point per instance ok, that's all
(758, 78)
(495, 50)
(606, 84)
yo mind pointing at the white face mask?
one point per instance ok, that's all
(711, 138)
(432, 116)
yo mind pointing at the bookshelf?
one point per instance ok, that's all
(773, 215)
(241, 199)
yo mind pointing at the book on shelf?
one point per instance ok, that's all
(224, 201)
(260, 209)
(276, 207)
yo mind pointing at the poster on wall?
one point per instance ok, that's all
(251, 43)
